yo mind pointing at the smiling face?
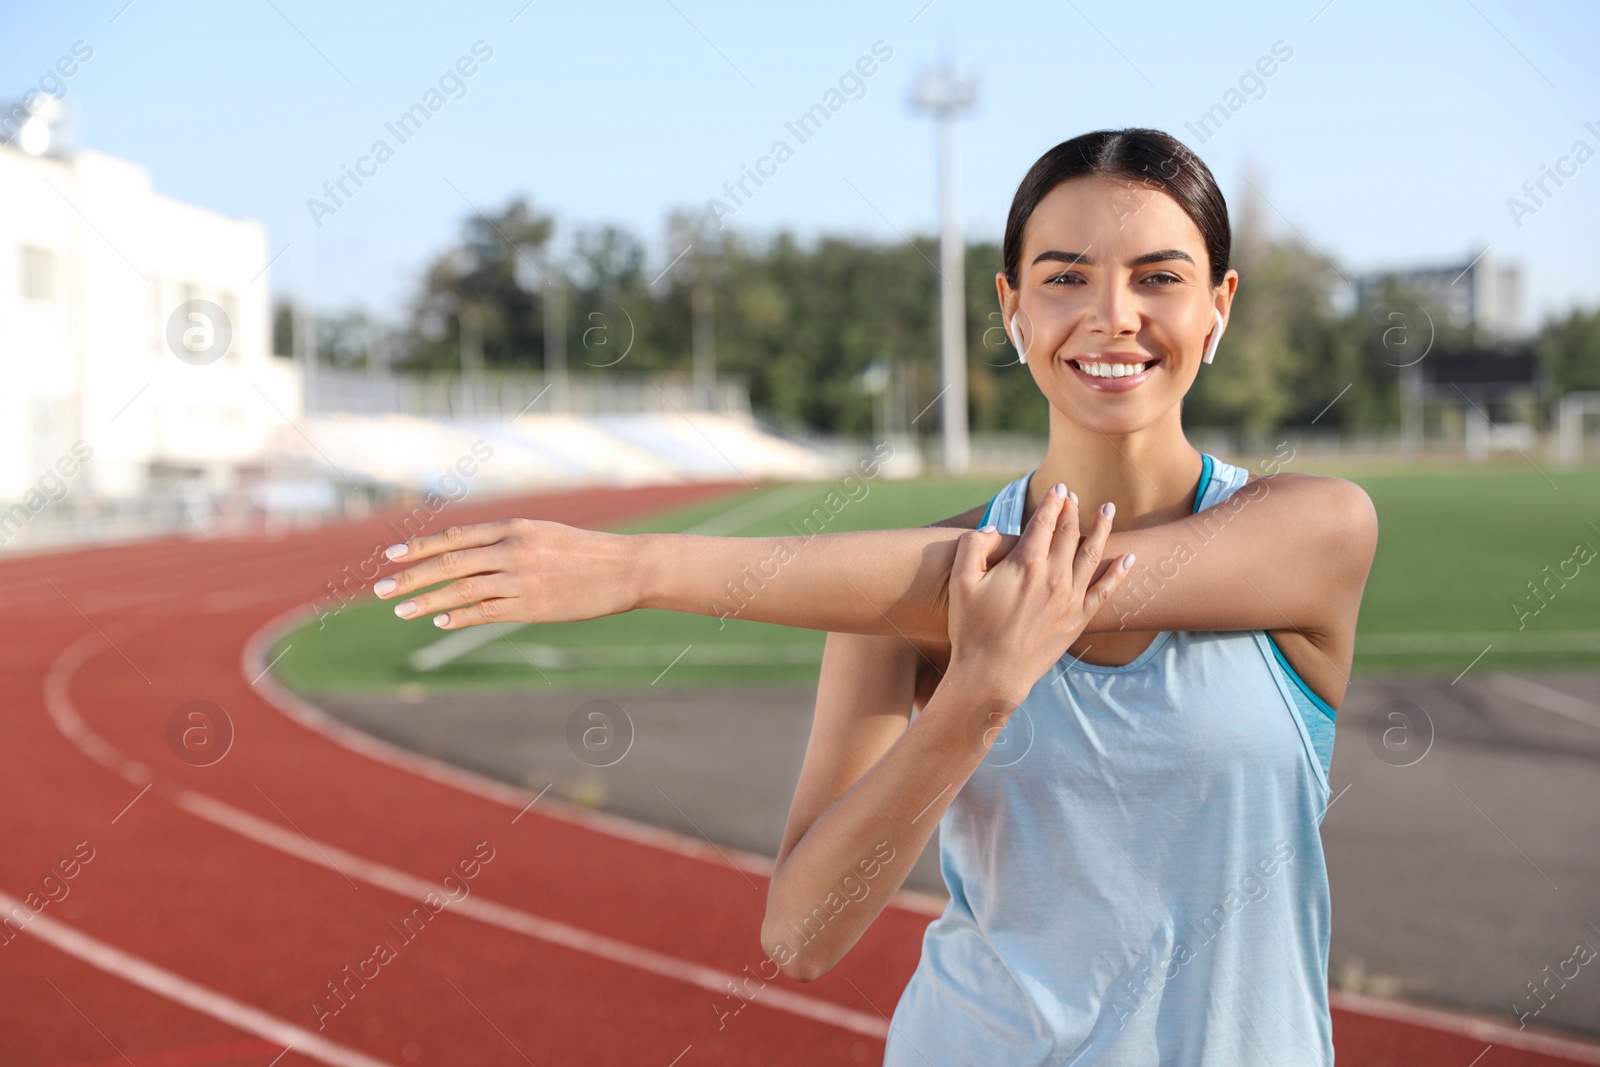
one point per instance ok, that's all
(1114, 302)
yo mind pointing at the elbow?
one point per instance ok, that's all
(799, 970)
(806, 968)
(798, 966)
(1357, 530)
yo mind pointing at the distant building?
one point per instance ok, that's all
(131, 322)
(1479, 293)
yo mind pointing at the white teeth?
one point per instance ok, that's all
(1112, 370)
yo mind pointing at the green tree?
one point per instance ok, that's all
(480, 295)
(1569, 350)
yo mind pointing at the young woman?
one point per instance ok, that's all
(1128, 764)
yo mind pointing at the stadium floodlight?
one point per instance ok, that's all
(874, 379)
(945, 95)
(537, 271)
(525, 268)
(37, 135)
(34, 136)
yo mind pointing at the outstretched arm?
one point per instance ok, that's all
(1286, 552)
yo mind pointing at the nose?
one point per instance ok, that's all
(1112, 312)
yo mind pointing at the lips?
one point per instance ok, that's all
(1114, 373)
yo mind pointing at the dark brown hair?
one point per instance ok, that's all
(1149, 157)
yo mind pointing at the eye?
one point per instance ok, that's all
(1164, 278)
(1064, 278)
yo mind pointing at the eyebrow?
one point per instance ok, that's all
(1074, 258)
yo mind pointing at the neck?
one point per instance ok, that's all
(1150, 475)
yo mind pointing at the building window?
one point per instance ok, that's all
(38, 274)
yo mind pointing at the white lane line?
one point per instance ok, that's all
(403, 884)
(1465, 1025)
(192, 995)
(331, 857)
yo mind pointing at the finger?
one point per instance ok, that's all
(972, 554)
(501, 609)
(1093, 550)
(1106, 587)
(456, 594)
(1034, 545)
(454, 537)
(452, 564)
(1065, 546)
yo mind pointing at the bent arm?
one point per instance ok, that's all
(871, 792)
(1290, 551)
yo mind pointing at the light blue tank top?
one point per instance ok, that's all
(1135, 870)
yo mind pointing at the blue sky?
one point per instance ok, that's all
(1394, 134)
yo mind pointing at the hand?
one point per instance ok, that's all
(515, 570)
(1012, 619)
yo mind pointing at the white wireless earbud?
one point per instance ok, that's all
(1216, 338)
(1016, 339)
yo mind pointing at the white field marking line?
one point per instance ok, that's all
(1407, 644)
(1542, 696)
(403, 884)
(455, 645)
(198, 998)
(1464, 1025)
(743, 516)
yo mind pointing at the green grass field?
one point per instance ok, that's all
(1457, 547)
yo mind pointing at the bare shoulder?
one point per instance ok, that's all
(1336, 505)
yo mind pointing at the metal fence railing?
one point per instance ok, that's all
(502, 394)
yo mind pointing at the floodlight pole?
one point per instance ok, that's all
(945, 95)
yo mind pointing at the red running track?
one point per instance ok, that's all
(289, 904)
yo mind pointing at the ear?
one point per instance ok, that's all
(1009, 297)
(1221, 312)
(1010, 305)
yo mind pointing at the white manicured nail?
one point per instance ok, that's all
(384, 587)
(395, 551)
